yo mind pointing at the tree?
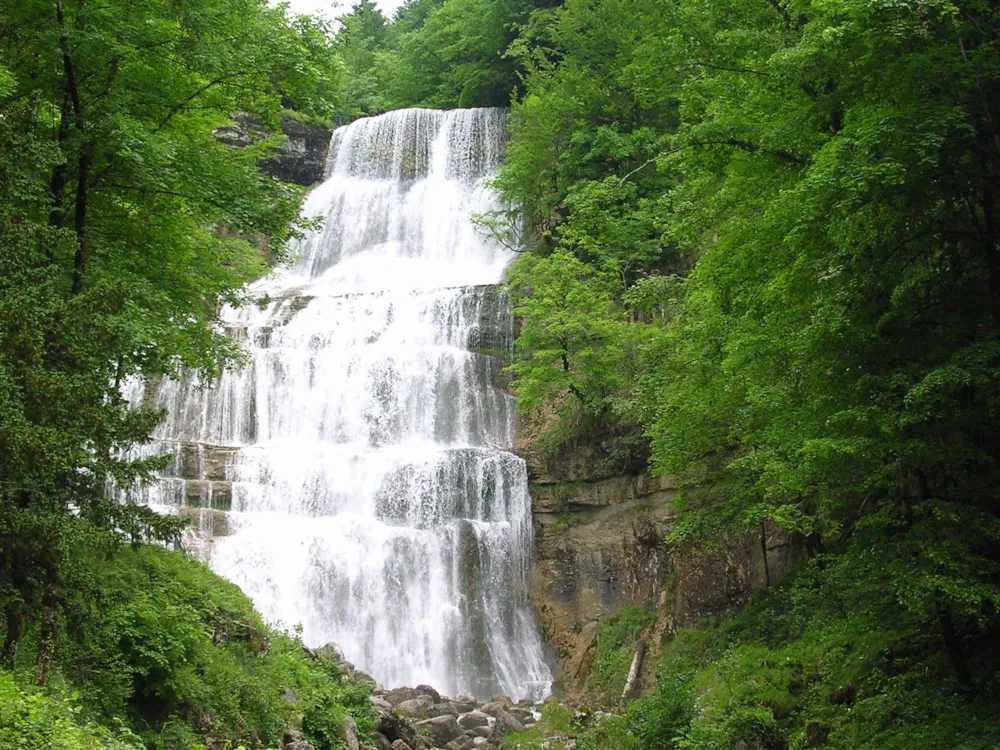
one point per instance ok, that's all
(125, 225)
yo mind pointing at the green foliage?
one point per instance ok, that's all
(31, 719)
(125, 225)
(433, 53)
(764, 235)
(614, 648)
(659, 718)
(158, 643)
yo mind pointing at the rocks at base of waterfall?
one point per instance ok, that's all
(440, 729)
(429, 691)
(349, 733)
(444, 708)
(473, 719)
(522, 714)
(505, 724)
(360, 676)
(494, 706)
(464, 704)
(331, 650)
(393, 726)
(398, 695)
(420, 707)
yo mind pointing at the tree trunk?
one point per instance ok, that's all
(57, 186)
(14, 615)
(47, 637)
(80, 223)
(763, 550)
(633, 673)
(953, 647)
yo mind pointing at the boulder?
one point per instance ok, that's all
(463, 704)
(299, 745)
(331, 650)
(398, 695)
(399, 745)
(349, 733)
(505, 724)
(521, 714)
(428, 690)
(494, 706)
(444, 708)
(381, 741)
(440, 729)
(473, 719)
(418, 708)
(480, 742)
(394, 726)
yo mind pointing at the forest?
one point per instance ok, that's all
(758, 251)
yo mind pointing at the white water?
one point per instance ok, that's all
(372, 500)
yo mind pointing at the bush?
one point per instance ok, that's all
(157, 642)
(32, 719)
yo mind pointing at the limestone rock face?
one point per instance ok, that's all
(599, 534)
(300, 159)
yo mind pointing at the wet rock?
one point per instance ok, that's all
(440, 729)
(473, 719)
(484, 731)
(506, 724)
(464, 704)
(480, 742)
(381, 741)
(419, 707)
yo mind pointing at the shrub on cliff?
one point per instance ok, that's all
(157, 643)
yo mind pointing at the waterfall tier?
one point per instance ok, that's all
(355, 473)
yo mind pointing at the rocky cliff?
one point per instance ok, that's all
(599, 539)
(301, 158)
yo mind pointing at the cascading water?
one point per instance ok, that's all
(361, 452)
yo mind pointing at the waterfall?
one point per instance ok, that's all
(354, 474)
